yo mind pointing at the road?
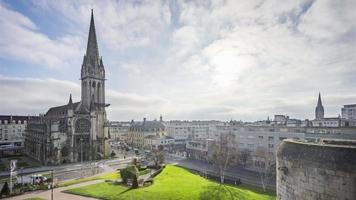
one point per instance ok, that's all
(246, 176)
(70, 171)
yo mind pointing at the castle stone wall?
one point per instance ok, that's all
(309, 171)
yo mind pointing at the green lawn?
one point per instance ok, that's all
(106, 176)
(174, 183)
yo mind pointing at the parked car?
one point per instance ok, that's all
(32, 179)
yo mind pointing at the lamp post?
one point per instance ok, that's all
(52, 185)
(81, 156)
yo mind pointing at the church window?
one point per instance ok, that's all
(82, 126)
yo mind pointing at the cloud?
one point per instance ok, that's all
(22, 40)
(199, 59)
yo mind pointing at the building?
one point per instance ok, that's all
(345, 121)
(140, 130)
(319, 110)
(12, 131)
(75, 131)
(117, 131)
(199, 149)
(154, 141)
(349, 112)
(183, 131)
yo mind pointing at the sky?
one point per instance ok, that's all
(187, 60)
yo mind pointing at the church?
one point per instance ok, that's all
(74, 132)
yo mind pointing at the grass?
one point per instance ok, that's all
(174, 183)
(105, 176)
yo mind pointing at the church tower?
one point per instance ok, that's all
(93, 73)
(319, 110)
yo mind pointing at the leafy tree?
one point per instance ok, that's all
(130, 172)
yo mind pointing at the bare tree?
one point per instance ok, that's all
(157, 155)
(245, 156)
(266, 166)
(224, 153)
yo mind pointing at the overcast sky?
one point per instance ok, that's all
(242, 60)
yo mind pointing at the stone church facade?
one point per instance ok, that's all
(74, 132)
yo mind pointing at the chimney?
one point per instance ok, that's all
(161, 118)
(144, 119)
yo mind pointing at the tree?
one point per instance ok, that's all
(224, 153)
(245, 156)
(158, 156)
(130, 172)
(266, 166)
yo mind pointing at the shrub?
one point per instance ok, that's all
(128, 173)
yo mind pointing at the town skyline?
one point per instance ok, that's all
(168, 65)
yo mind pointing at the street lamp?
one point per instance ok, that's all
(81, 156)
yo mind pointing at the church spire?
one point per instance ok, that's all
(319, 110)
(319, 101)
(92, 46)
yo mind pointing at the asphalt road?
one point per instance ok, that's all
(75, 170)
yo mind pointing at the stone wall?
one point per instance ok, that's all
(320, 171)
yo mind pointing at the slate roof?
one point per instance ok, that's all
(147, 125)
(156, 137)
(60, 110)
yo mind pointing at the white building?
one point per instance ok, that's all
(154, 141)
(349, 112)
(182, 131)
(12, 131)
(117, 131)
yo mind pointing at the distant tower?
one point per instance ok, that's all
(93, 73)
(319, 110)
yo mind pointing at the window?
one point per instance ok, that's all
(260, 137)
(270, 145)
(270, 138)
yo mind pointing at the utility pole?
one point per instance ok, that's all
(81, 156)
(52, 185)
(21, 179)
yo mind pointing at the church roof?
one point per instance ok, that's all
(147, 125)
(60, 110)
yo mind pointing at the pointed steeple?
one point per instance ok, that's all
(319, 101)
(70, 103)
(319, 110)
(70, 99)
(92, 46)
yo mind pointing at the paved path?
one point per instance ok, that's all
(57, 193)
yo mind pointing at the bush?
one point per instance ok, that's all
(128, 173)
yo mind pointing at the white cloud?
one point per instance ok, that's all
(204, 59)
(22, 40)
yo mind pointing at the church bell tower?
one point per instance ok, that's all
(93, 73)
